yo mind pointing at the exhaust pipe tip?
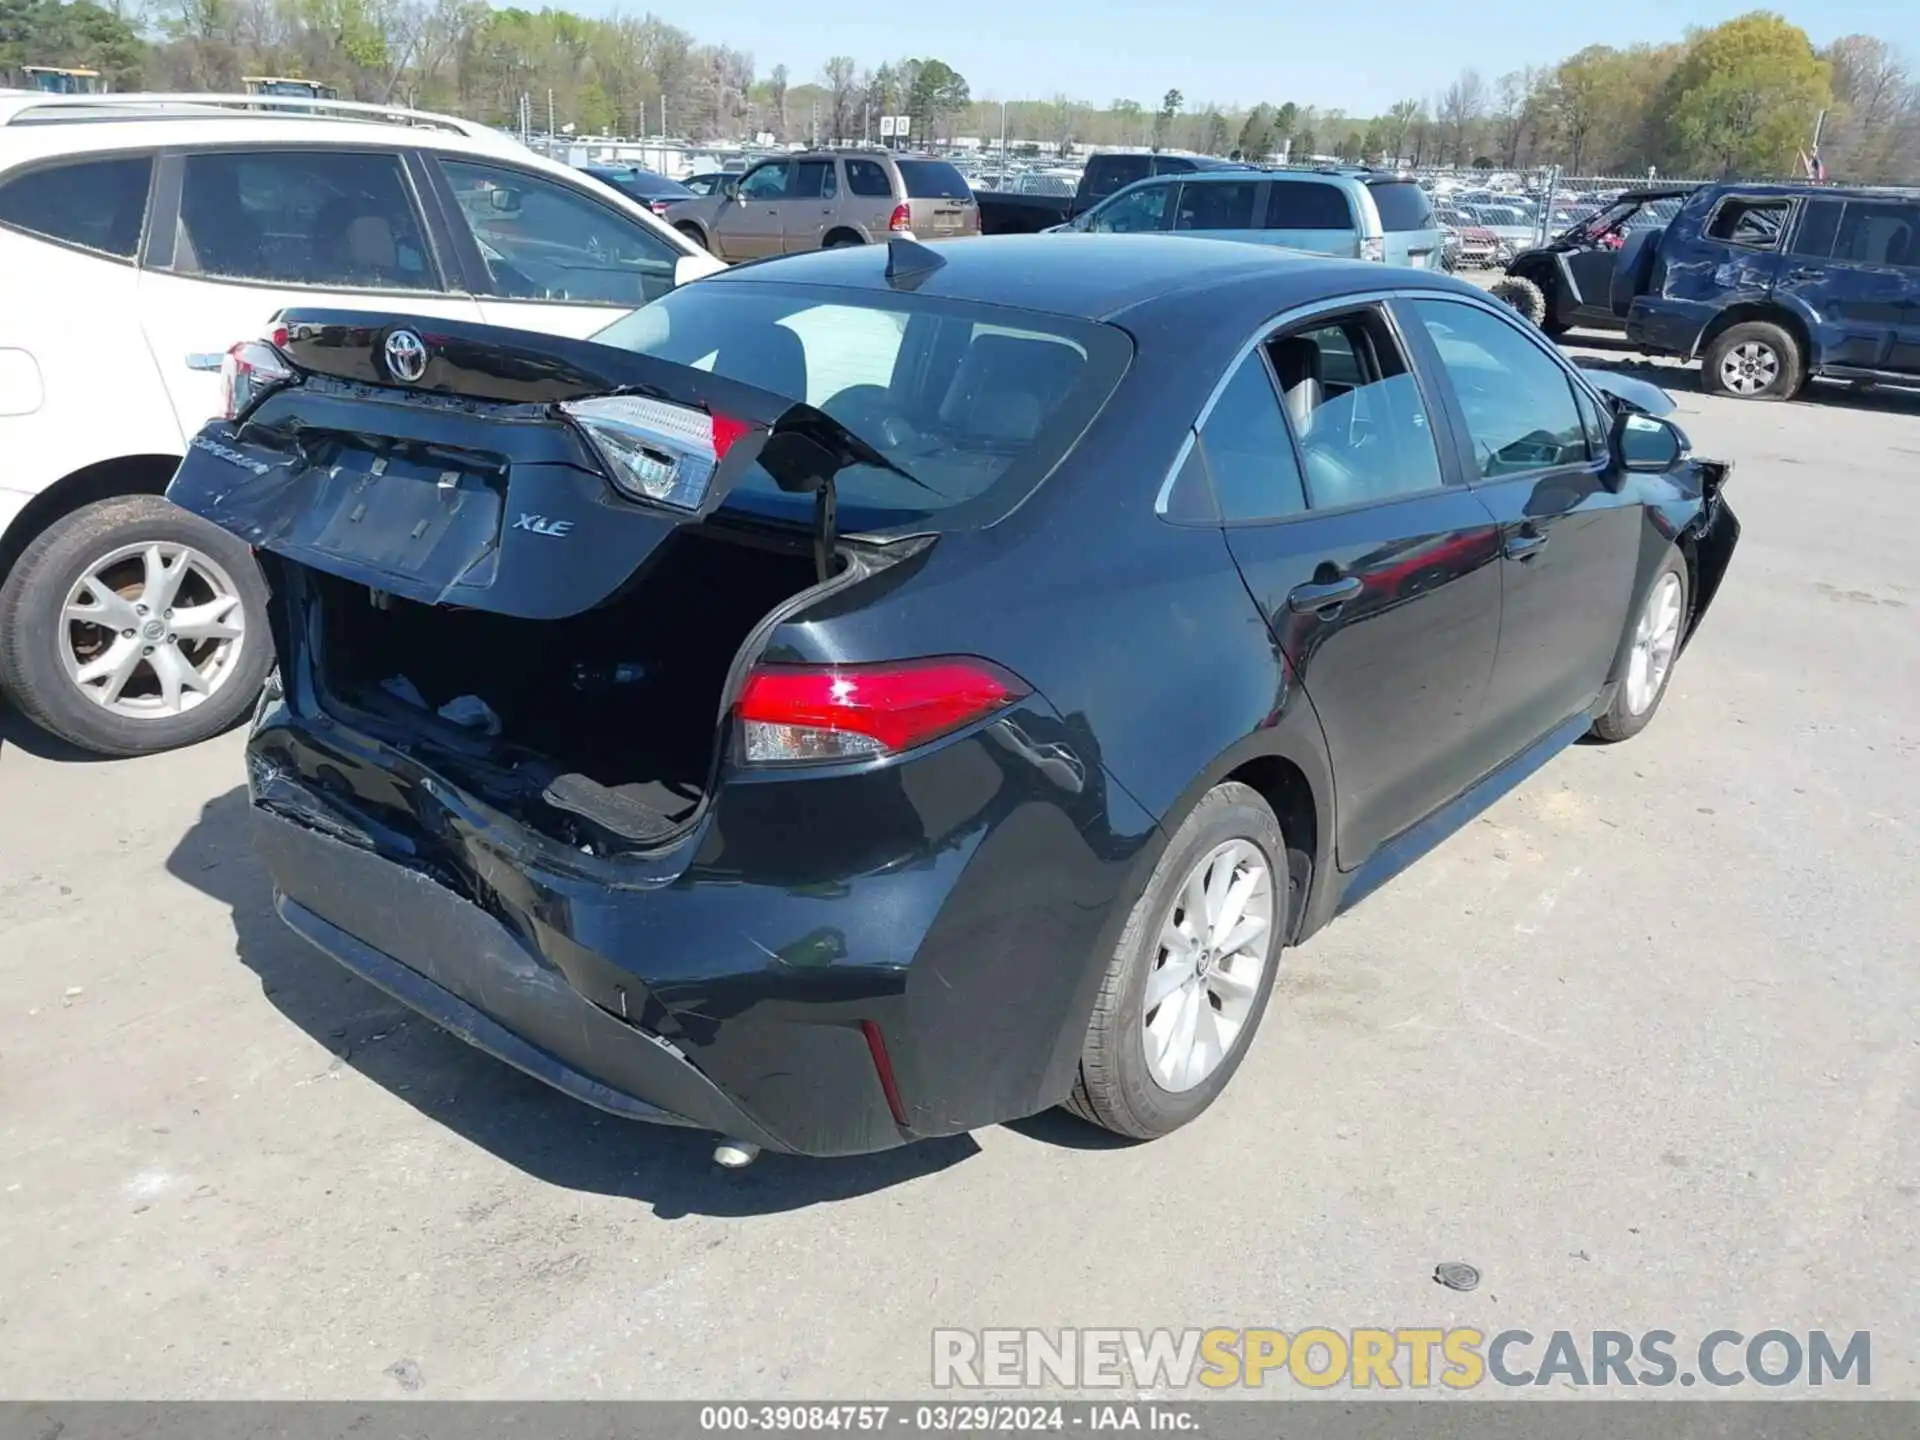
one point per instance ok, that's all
(735, 1154)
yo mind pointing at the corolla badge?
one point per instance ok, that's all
(406, 356)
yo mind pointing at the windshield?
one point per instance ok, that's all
(933, 180)
(975, 404)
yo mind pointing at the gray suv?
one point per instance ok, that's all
(819, 199)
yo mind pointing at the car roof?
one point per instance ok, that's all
(1087, 276)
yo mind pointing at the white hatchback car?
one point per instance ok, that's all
(140, 238)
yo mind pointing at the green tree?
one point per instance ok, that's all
(1163, 119)
(1256, 136)
(935, 92)
(1213, 132)
(1744, 97)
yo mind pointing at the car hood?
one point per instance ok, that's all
(1636, 394)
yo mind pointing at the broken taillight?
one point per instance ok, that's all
(655, 450)
(793, 714)
(251, 371)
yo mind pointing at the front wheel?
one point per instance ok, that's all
(1189, 980)
(1522, 295)
(131, 626)
(1658, 629)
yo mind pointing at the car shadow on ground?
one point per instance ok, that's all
(521, 1121)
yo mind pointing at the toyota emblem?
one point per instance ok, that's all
(406, 356)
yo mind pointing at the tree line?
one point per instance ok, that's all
(1742, 97)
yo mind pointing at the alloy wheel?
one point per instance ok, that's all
(1749, 368)
(1212, 954)
(1655, 639)
(152, 630)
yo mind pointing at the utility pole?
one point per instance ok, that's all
(552, 130)
(663, 114)
(1003, 131)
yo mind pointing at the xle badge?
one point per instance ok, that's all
(541, 525)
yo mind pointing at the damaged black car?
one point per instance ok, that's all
(881, 693)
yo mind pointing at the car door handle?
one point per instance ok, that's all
(1806, 275)
(1524, 546)
(206, 360)
(1321, 597)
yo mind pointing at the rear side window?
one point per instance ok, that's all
(1403, 205)
(1754, 223)
(933, 180)
(1819, 224)
(1879, 232)
(1173, 165)
(973, 403)
(1249, 454)
(1307, 205)
(1108, 173)
(315, 217)
(812, 180)
(1217, 205)
(865, 177)
(96, 204)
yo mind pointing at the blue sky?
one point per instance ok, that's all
(1359, 55)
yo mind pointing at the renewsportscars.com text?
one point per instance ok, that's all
(1402, 1358)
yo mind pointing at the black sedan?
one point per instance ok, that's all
(656, 192)
(878, 693)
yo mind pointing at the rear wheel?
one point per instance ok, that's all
(131, 626)
(1658, 629)
(841, 239)
(1189, 980)
(1755, 360)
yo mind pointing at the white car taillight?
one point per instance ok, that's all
(655, 450)
(251, 371)
(1374, 249)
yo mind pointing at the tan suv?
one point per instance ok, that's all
(823, 198)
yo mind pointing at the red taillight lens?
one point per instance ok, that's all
(797, 713)
(660, 207)
(252, 369)
(902, 218)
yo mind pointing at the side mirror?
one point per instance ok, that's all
(1644, 443)
(730, 189)
(503, 200)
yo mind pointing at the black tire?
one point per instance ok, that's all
(1789, 372)
(32, 634)
(1522, 294)
(1622, 721)
(1116, 1088)
(841, 240)
(695, 234)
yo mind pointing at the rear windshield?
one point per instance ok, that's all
(974, 403)
(933, 180)
(1403, 206)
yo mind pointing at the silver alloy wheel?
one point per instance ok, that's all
(1655, 639)
(1207, 969)
(152, 630)
(1749, 367)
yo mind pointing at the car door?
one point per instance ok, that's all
(1309, 214)
(1373, 566)
(748, 225)
(239, 234)
(1854, 268)
(548, 256)
(1534, 444)
(1220, 209)
(809, 206)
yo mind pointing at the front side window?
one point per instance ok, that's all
(1217, 205)
(1133, 212)
(541, 240)
(766, 182)
(867, 178)
(344, 219)
(1307, 205)
(1757, 224)
(1355, 408)
(1518, 402)
(1879, 232)
(95, 204)
(1249, 456)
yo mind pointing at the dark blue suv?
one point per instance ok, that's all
(1772, 285)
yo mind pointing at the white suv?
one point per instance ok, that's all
(140, 238)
